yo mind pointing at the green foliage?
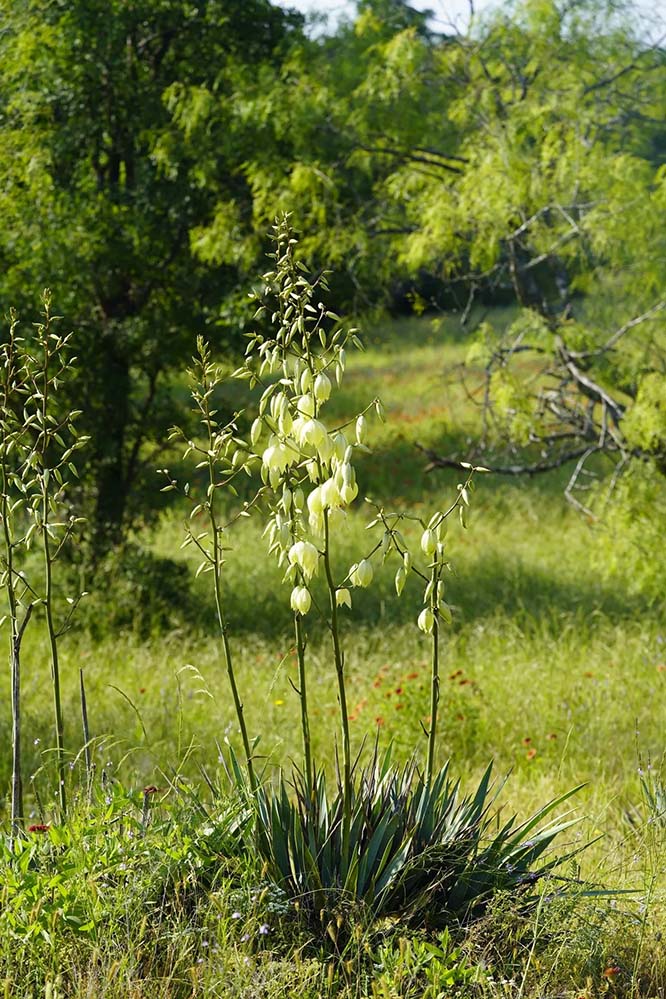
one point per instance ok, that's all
(423, 969)
(419, 850)
(100, 194)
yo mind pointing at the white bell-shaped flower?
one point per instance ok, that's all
(301, 600)
(361, 574)
(322, 387)
(305, 556)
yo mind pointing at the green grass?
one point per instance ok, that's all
(552, 668)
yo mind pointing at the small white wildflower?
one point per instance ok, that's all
(300, 599)
(343, 597)
(361, 574)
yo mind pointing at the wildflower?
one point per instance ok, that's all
(279, 702)
(300, 599)
(151, 789)
(38, 827)
(305, 556)
(360, 429)
(426, 620)
(330, 494)
(305, 405)
(379, 721)
(611, 972)
(264, 929)
(530, 754)
(343, 596)
(361, 574)
(236, 915)
(412, 676)
(312, 432)
(322, 387)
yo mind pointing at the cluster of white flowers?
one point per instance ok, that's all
(312, 465)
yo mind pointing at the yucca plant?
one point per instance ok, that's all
(397, 839)
(415, 848)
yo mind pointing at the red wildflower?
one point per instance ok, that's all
(610, 972)
(530, 754)
(151, 789)
(379, 720)
(526, 740)
(413, 676)
(38, 827)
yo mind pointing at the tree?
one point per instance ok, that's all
(521, 160)
(99, 198)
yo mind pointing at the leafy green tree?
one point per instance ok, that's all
(519, 161)
(100, 198)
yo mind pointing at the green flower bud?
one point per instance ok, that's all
(426, 620)
(255, 431)
(428, 542)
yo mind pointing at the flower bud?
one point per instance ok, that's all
(361, 574)
(340, 445)
(428, 542)
(300, 599)
(285, 421)
(361, 424)
(400, 579)
(426, 620)
(306, 405)
(322, 387)
(255, 431)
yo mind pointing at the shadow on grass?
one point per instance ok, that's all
(532, 599)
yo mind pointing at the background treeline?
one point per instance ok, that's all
(146, 148)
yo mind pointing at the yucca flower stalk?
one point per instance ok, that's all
(222, 456)
(307, 467)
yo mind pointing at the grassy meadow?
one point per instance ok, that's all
(554, 668)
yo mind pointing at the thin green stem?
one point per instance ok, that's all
(15, 662)
(434, 690)
(339, 660)
(221, 618)
(303, 697)
(46, 477)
